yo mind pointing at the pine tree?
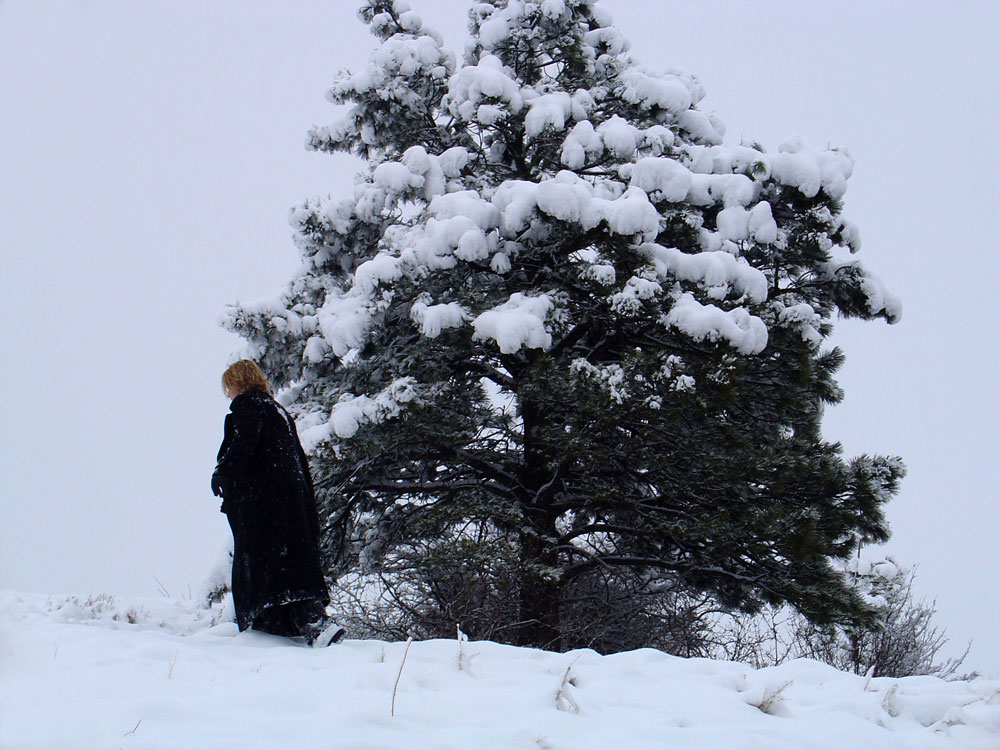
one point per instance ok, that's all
(562, 333)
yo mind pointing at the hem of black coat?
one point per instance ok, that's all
(246, 623)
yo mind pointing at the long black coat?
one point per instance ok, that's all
(268, 499)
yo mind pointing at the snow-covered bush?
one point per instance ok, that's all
(899, 640)
(903, 639)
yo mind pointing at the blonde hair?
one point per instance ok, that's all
(242, 376)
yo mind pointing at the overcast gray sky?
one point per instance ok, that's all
(149, 152)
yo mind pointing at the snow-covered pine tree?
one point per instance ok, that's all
(562, 330)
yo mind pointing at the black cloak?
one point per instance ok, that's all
(268, 499)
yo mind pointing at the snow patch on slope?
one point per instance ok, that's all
(75, 672)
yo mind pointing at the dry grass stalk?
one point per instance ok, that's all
(398, 675)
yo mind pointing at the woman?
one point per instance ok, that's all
(263, 478)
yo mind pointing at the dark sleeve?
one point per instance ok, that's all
(243, 427)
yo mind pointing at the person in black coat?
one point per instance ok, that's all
(263, 477)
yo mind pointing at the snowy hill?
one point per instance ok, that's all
(108, 672)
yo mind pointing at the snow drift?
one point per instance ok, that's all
(109, 672)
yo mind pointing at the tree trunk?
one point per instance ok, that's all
(540, 585)
(540, 594)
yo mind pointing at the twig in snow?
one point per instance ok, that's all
(399, 674)
(772, 696)
(163, 589)
(868, 677)
(887, 703)
(987, 699)
(173, 661)
(132, 731)
(563, 700)
(463, 659)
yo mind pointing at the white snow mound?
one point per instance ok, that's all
(108, 672)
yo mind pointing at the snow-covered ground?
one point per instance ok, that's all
(115, 672)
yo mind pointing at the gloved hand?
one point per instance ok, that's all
(216, 484)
